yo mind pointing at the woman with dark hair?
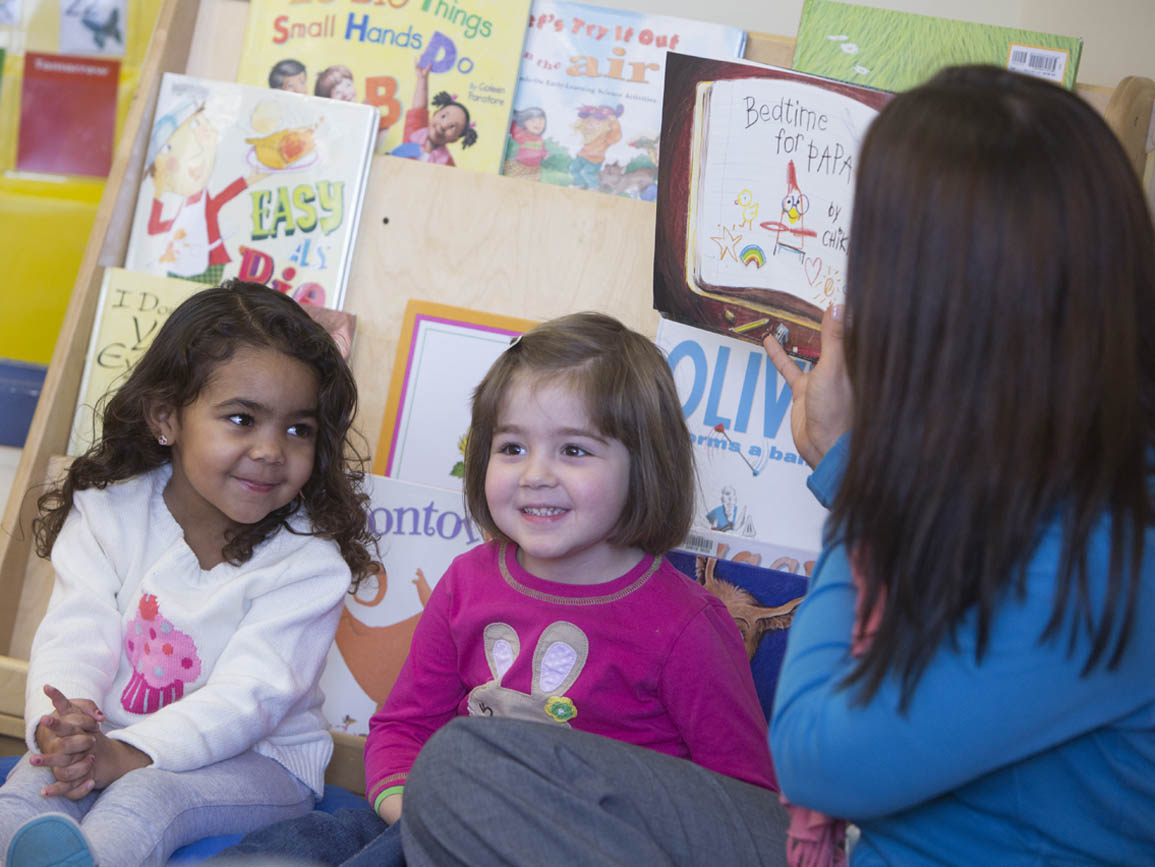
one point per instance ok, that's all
(969, 677)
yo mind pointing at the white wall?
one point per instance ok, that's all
(1118, 35)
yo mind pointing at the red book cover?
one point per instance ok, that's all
(67, 114)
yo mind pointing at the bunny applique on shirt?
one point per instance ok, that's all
(558, 659)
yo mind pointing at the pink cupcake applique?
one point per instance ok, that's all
(163, 660)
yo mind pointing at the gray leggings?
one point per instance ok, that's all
(147, 814)
(499, 792)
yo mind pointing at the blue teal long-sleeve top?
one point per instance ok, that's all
(1016, 760)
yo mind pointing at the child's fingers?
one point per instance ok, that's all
(77, 772)
(72, 724)
(89, 707)
(59, 700)
(64, 751)
(74, 791)
(66, 706)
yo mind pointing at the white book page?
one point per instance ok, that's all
(776, 186)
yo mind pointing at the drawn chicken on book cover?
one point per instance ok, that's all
(755, 198)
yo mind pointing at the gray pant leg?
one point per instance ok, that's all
(497, 791)
(148, 813)
(20, 800)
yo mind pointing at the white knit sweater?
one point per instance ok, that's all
(189, 666)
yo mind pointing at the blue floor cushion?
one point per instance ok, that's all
(335, 798)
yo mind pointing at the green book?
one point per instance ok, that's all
(896, 51)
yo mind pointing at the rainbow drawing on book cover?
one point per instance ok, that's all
(755, 197)
(439, 74)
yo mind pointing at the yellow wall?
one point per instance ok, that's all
(44, 237)
(46, 220)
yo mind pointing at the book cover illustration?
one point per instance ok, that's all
(247, 182)
(762, 603)
(752, 483)
(755, 197)
(130, 310)
(67, 114)
(723, 544)
(442, 354)
(589, 95)
(439, 74)
(895, 50)
(93, 26)
(419, 530)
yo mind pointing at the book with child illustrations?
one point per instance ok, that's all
(442, 354)
(419, 530)
(439, 74)
(896, 50)
(130, 310)
(751, 480)
(589, 94)
(755, 197)
(252, 183)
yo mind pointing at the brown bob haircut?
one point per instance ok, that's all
(630, 395)
(1001, 348)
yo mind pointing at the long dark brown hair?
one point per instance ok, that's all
(1001, 349)
(630, 395)
(202, 333)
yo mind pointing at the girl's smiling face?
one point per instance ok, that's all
(344, 90)
(556, 486)
(447, 125)
(245, 446)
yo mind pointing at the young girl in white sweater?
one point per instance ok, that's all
(202, 550)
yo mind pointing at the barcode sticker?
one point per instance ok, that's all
(698, 545)
(1048, 63)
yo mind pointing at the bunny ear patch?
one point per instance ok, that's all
(556, 664)
(501, 648)
(559, 658)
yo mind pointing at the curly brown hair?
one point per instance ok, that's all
(200, 334)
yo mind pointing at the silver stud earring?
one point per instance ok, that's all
(162, 439)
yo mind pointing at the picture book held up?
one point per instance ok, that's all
(252, 183)
(439, 75)
(130, 310)
(589, 94)
(897, 50)
(419, 530)
(442, 354)
(755, 197)
(752, 482)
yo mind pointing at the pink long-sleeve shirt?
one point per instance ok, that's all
(649, 658)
